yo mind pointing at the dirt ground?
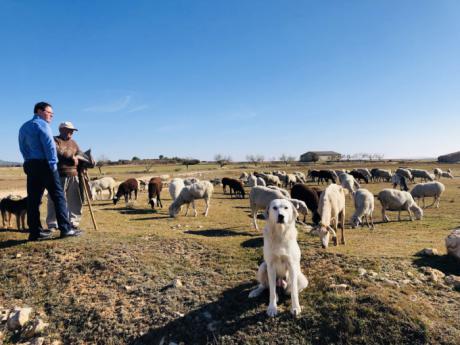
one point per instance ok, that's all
(119, 285)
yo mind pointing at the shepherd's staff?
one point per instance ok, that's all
(86, 162)
(85, 188)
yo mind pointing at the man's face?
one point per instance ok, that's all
(66, 133)
(46, 114)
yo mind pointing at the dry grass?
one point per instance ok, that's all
(113, 286)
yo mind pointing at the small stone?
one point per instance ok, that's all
(372, 274)
(18, 318)
(391, 283)
(128, 288)
(417, 281)
(453, 280)
(409, 274)
(362, 272)
(18, 255)
(177, 283)
(179, 314)
(405, 282)
(339, 287)
(428, 252)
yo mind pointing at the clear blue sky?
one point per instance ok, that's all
(194, 78)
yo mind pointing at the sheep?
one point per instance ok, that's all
(348, 182)
(332, 210)
(313, 174)
(290, 180)
(359, 176)
(188, 195)
(154, 187)
(260, 197)
(282, 190)
(364, 207)
(301, 178)
(126, 189)
(429, 189)
(310, 197)
(365, 173)
(422, 174)
(437, 173)
(175, 187)
(381, 174)
(261, 181)
(191, 180)
(244, 176)
(236, 187)
(395, 200)
(105, 183)
(271, 180)
(453, 244)
(447, 174)
(404, 172)
(252, 181)
(399, 180)
(300, 206)
(326, 175)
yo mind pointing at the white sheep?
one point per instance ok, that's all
(260, 197)
(453, 244)
(404, 172)
(188, 195)
(282, 190)
(422, 174)
(364, 208)
(252, 181)
(429, 189)
(191, 180)
(348, 182)
(332, 210)
(447, 174)
(396, 200)
(271, 179)
(175, 187)
(105, 183)
(437, 173)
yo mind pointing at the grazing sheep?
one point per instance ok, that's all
(301, 178)
(154, 187)
(327, 175)
(332, 210)
(261, 181)
(437, 173)
(404, 172)
(175, 186)
(236, 187)
(188, 195)
(364, 207)
(271, 180)
(359, 176)
(381, 174)
(399, 180)
(310, 197)
(422, 174)
(447, 174)
(282, 190)
(313, 174)
(395, 200)
(260, 197)
(97, 186)
(453, 244)
(348, 182)
(429, 189)
(252, 181)
(244, 176)
(191, 180)
(126, 189)
(365, 173)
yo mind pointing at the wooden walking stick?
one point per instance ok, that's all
(85, 188)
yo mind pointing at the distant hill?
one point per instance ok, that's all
(9, 164)
(450, 158)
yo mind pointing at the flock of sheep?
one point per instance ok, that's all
(327, 206)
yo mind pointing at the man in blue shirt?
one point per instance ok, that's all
(40, 165)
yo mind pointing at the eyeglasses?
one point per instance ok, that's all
(49, 112)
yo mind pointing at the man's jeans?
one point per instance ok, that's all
(41, 177)
(71, 188)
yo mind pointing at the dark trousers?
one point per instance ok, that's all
(41, 177)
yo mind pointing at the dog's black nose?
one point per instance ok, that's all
(280, 218)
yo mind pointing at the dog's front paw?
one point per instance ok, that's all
(272, 310)
(296, 311)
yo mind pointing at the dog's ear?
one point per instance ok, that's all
(267, 212)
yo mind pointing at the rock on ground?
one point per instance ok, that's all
(18, 318)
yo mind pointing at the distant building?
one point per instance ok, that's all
(323, 156)
(450, 158)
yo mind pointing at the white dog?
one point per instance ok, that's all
(281, 264)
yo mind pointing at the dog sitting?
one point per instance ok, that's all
(281, 266)
(18, 207)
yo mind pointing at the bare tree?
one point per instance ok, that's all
(222, 160)
(287, 159)
(101, 161)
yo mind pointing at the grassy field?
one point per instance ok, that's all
(114, 286)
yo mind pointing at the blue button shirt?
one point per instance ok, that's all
(36, 141)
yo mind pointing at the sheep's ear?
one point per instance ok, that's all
(294, 212)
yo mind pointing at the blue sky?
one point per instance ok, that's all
(196, 78)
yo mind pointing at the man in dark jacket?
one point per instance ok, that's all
(40, 165)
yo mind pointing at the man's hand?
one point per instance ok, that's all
(75, 160)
